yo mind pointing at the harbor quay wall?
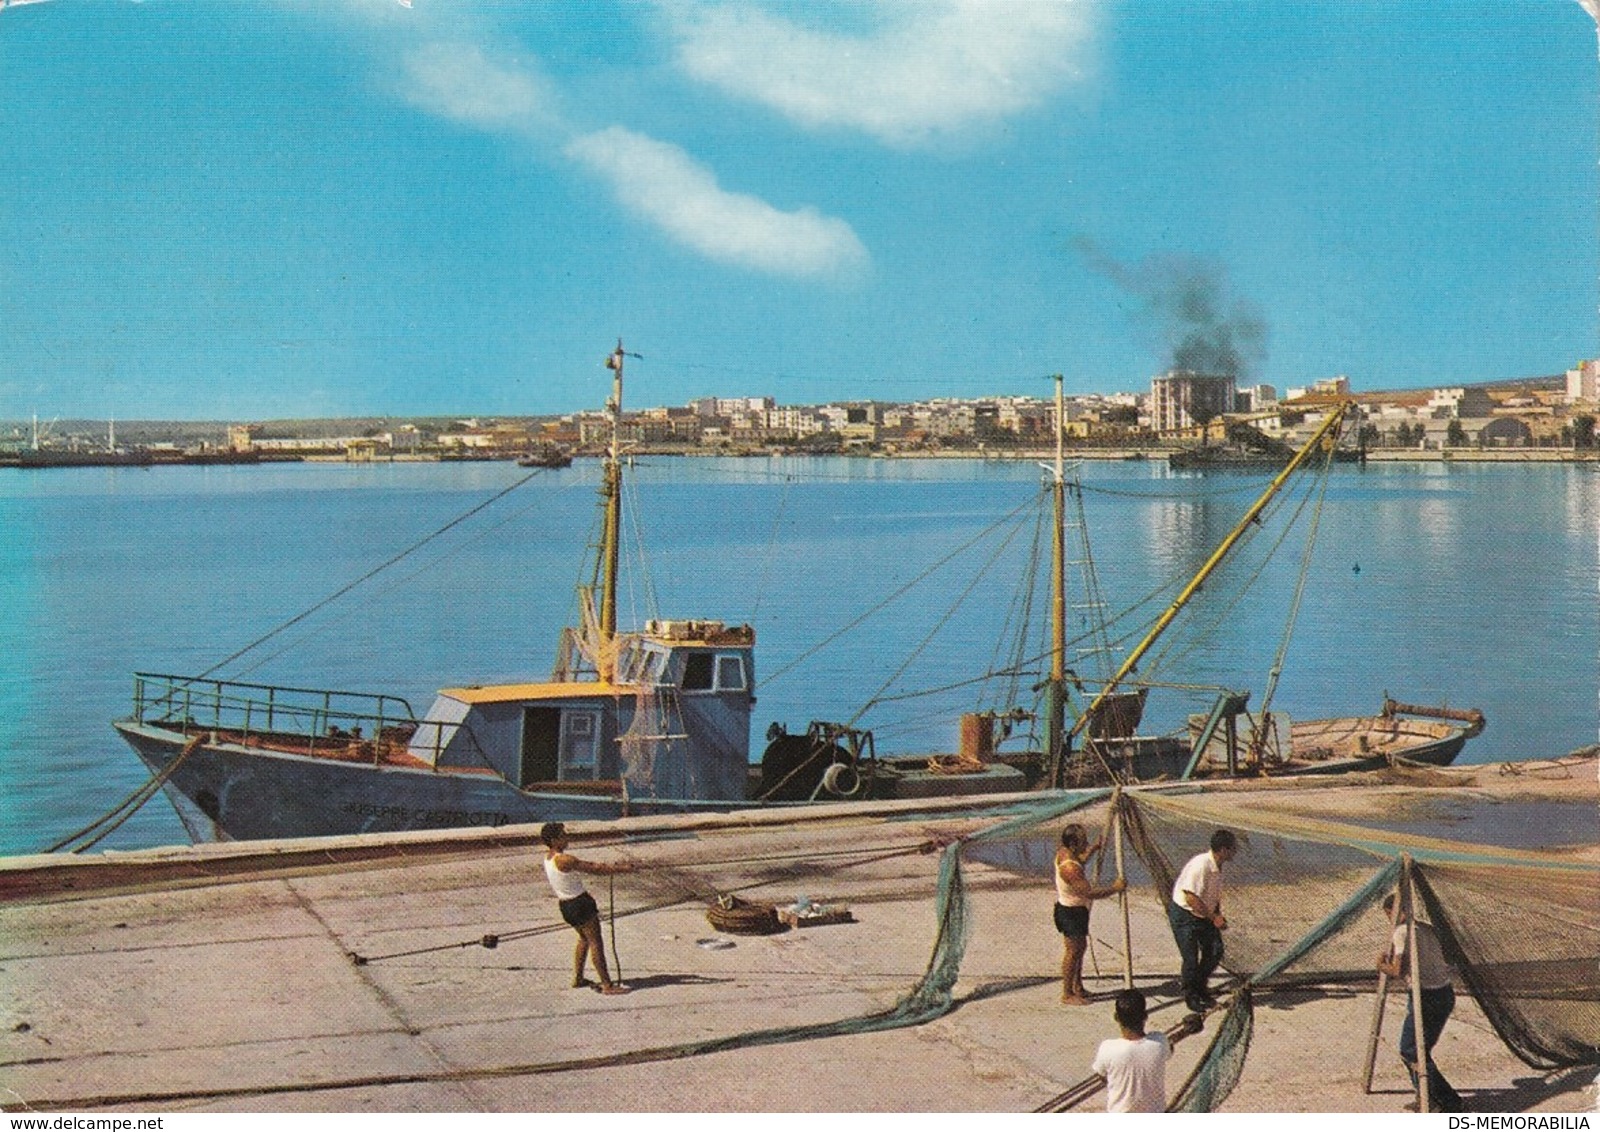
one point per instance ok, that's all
(431, 972)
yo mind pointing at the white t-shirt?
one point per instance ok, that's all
(1202, 877)
(1135, 1073)
(1431, 964)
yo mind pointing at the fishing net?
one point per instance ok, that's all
(646, 732)
(1527, 943)
(1304, 904)
(1223, 1064)
(1303, 900)
(1279, 889)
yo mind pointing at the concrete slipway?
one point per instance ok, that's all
(221, 978)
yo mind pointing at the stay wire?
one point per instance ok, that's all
(1177, 650)
(772, 548)
(938, 625)
(445, 556)
(374, 572)
(1014, 630)
(1299, 592)
(899, 593)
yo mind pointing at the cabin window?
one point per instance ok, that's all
(730, 673)
(640, 664)
(578, 745)
(697, 672)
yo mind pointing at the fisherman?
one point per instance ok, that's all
(577, 906)
(1195, 913)
(1074, 894)
(1438, 1000)
(1134, 1065)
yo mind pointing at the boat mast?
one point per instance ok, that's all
(611, 497)
(1326, 434)
(1056, 689)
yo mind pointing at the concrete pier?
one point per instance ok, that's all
(351, 975)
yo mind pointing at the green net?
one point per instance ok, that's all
(1222, 1065)
(1303, 900)
(1527, 944)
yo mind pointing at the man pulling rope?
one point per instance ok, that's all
(577, 907)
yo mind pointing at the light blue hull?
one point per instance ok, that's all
(224, 791)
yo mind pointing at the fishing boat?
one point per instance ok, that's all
(1246, 448)
(546, 456)
(658, 720)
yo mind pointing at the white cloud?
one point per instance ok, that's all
(664, 185)
(931, 68)
(458, 81)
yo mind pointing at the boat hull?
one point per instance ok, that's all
(226, 791)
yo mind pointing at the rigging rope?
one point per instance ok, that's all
(1258, 736)
(476, 536)
(1178, 649)
(1020, 614)
(938, 625)
(639, 574)
(374, 572)
(899, 593)
(136, 801)
(772, 549)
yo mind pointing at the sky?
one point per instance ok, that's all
(252, 209)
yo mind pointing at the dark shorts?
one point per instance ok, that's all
(1073, 922)
(579, 910)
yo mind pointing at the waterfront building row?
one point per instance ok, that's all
(1181, 407)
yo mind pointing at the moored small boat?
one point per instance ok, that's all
(546, 456)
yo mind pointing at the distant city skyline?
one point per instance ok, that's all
(367, 208)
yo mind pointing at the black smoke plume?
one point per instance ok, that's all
(1188, 307)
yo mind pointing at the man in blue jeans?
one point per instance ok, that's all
(1438, 1000)
(1195, 913)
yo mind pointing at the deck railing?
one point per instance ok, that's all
(310, 715)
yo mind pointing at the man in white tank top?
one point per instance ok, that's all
(577, 907)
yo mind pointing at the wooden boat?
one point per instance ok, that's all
(658, 720)
(546, 456)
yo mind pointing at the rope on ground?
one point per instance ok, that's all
(930, 998)
(495, 939)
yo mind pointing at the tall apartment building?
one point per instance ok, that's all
(1583, 383)
(1181, 399)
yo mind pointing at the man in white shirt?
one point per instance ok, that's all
(1195, 913)
(1134, 1065)
(1438, 1000)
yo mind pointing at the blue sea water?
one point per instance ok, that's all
(1471, 585)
